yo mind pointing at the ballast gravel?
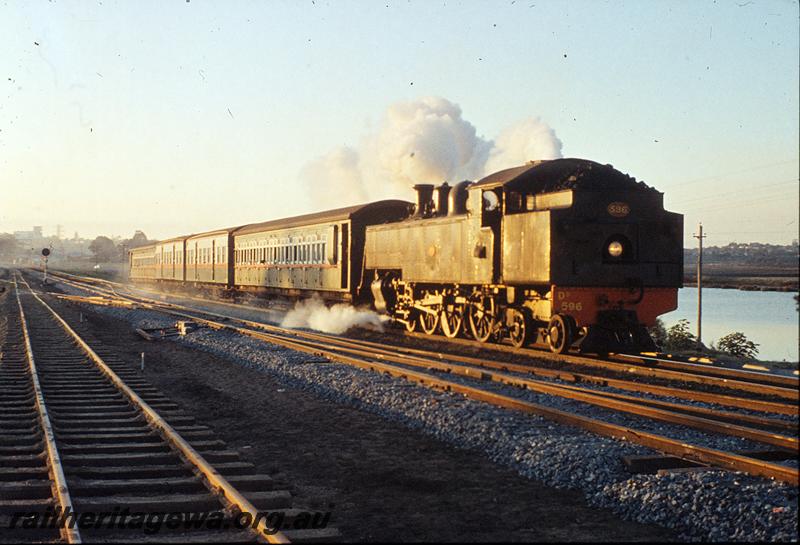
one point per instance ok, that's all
(700, 506)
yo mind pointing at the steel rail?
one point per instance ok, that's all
(669, 446)
(382, 349)
(571, 376)
(791, 394)
(69, 532)
(686, 394)
(628, 404)
(664, 444)
(742, 374)
(691, 368)
(622, 402)
(216, 483)
(703, 411)
(712, 413)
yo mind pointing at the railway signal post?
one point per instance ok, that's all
(45, 254)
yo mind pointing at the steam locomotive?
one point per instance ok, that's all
(568, 253)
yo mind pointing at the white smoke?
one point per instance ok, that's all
(529, 139)
(422, 141)
(425, 141)
(313, 314)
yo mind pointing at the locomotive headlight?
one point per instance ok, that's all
(615, 249)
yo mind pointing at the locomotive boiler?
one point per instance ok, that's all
(566, 252)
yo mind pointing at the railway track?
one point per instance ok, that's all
(640, 365)
(86, 434)
(570, 367)
(428, 369)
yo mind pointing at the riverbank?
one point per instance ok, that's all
(746, 283)
(743, 277)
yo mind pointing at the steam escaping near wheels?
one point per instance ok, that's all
(314, 314)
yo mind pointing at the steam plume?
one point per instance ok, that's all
(529, 139)
(422, 141)
(425, 141)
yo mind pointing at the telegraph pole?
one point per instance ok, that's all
(700, 236)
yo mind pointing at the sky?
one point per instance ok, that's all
(183, 116)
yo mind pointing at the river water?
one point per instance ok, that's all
(768, 318)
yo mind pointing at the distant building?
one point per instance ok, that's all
(62, 248)
(29, 238)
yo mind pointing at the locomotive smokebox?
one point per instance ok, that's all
(424, 199)
(442, 194)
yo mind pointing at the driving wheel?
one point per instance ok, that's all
(452, 319)
(481, 318)
(560, 333)
(429, 321)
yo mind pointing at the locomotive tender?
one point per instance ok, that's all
(565, 252)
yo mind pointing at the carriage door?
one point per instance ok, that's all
(345, 256)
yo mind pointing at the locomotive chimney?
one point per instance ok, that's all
(458, 198)
(424, 199)
(442, 193)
